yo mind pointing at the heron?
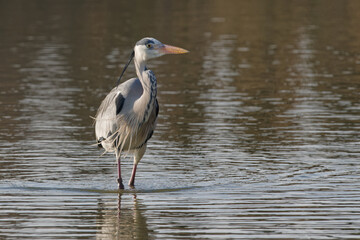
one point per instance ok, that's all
(126, 118)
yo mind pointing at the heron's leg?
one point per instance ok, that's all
(139, 153)
(119, 180)
(132, 179)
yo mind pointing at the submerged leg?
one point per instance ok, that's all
(139, 153)
(119, 180)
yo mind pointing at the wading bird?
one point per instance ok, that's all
(126, 118)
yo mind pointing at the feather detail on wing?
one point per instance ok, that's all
(117, 126)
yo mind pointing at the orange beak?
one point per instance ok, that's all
(168, 49)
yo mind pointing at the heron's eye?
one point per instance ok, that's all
(149, 45)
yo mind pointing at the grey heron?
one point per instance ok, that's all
(126, 118)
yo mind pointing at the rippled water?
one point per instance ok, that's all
(258, 133)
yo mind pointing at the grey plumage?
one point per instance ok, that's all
(118, 125)
(126, 118)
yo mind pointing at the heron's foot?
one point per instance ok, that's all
(132, 186)
(121, 185)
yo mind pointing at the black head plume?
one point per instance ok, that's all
(123, 71)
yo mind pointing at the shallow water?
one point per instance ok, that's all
(258, 130)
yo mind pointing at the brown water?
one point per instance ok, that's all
(258, 134)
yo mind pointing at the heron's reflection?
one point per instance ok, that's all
(124, 221)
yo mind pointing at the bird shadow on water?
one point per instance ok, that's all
(116, 214)
(123, 221)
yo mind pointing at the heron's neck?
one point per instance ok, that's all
(146, 102)
(143, 75)
(140, 68)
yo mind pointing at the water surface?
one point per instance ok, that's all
(258, 130)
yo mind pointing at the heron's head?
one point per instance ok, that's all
(148, 48)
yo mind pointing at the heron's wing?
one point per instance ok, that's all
(156, 108)
(118, 102)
